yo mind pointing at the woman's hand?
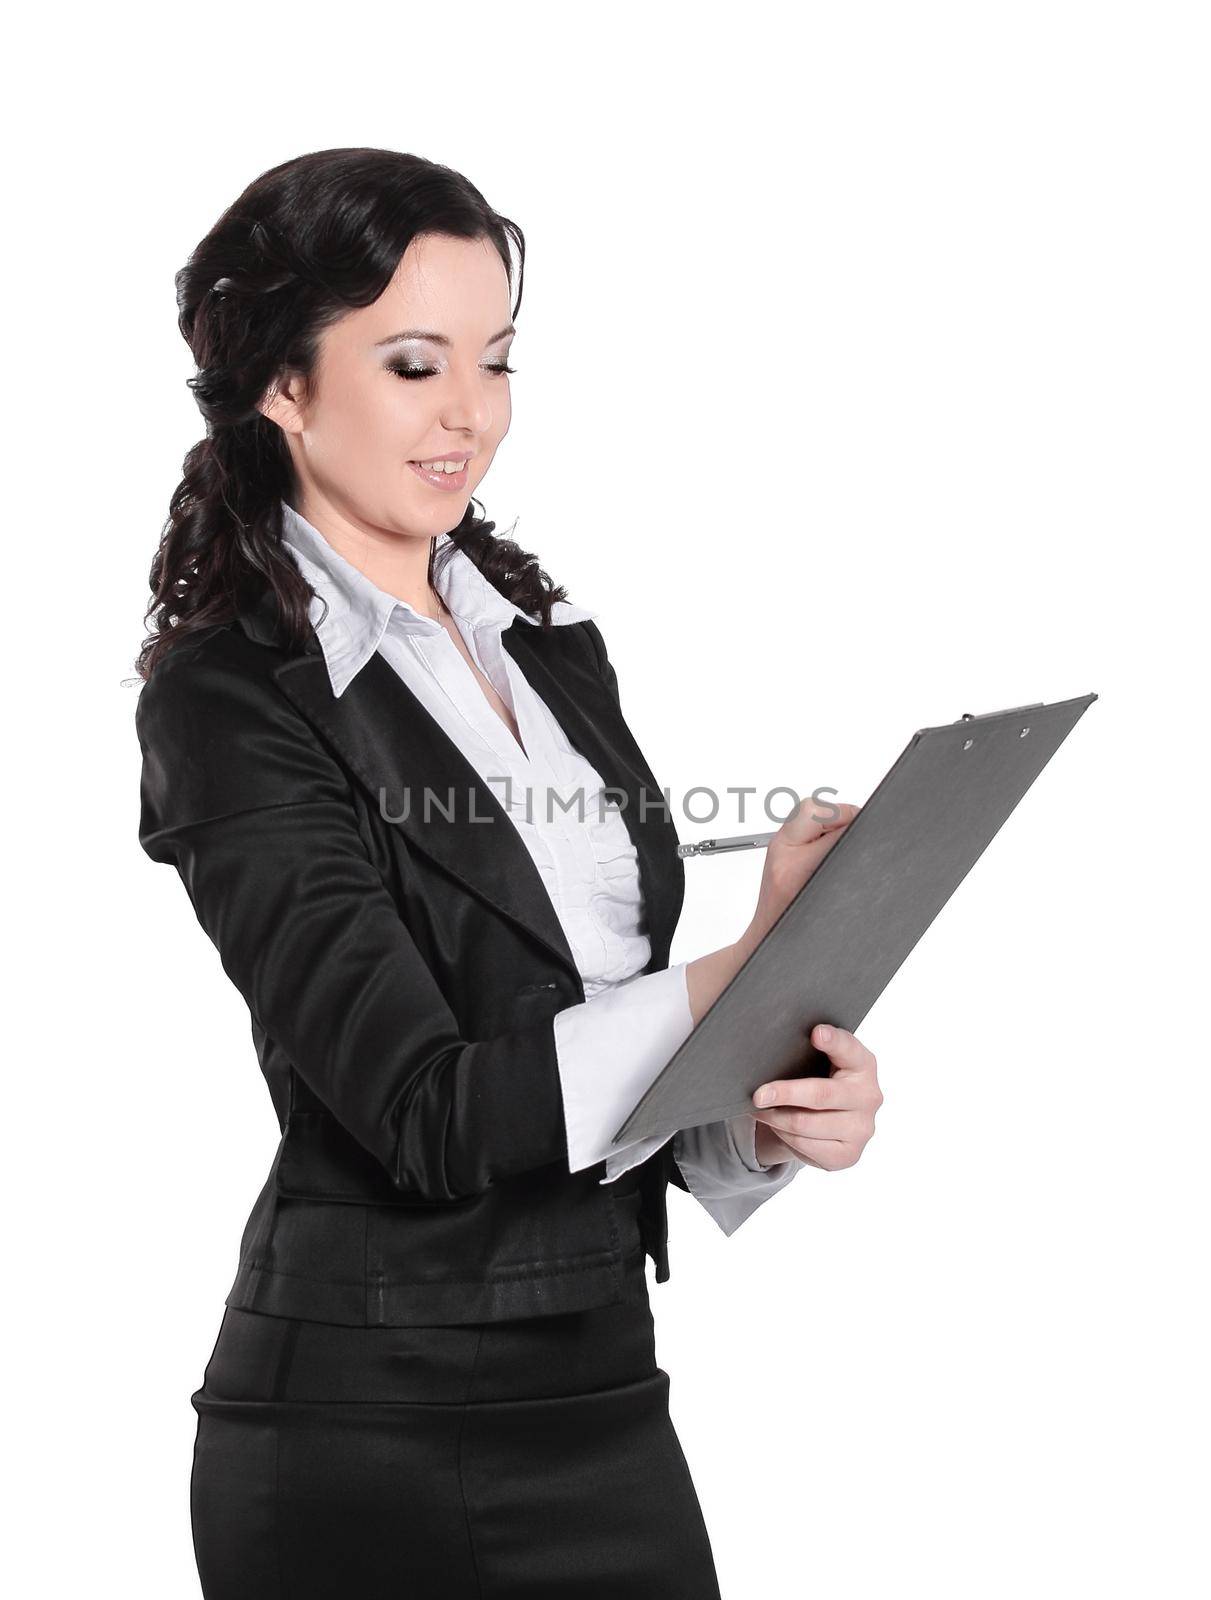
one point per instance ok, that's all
(837, 1115)
(792, 855)
(826, 1122)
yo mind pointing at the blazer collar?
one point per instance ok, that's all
(396, 750)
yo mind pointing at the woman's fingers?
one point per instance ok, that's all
(812, 819)
(843, 1049)
(832, 1125)
(852, 1085)
(827, 1121)
(831, 1156)
(794, 853)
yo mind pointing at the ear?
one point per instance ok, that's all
(284, 402)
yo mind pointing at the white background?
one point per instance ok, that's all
(863, 381)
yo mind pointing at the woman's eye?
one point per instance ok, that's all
(403, 371)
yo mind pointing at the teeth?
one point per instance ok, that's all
(442, 466)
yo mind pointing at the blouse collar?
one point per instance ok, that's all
(358, 612)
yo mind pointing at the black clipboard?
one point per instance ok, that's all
(839, 943)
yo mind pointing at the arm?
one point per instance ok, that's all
(613, 1047)
(256, 816)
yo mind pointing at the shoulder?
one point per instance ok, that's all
(212, 672)
(218, 734)
(591, 633)
(575, 631)
(599, 660)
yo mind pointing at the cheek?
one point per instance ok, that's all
(401, 417)
(394, 428)
(364, 421)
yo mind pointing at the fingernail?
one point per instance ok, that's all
(763, 1097)
(824, 1033)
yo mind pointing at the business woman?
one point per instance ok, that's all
(388, 759)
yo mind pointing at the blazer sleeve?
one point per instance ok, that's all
(257, 817)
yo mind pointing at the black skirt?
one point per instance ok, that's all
(530, 1459)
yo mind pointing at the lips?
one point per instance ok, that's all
(449, 481)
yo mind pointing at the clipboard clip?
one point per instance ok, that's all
(984, 716)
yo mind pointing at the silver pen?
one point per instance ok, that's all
(746, 841)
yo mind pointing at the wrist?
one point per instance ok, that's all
(769, 1149)
(745, 945)
(707, 978)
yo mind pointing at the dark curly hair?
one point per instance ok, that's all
(306, 242)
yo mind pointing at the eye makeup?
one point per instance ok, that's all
(410, 364)
(404, 369)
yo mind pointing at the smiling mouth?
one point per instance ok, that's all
(439, 478)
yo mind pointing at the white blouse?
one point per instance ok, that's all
(613, 1044)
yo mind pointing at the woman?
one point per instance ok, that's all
(435, 1374)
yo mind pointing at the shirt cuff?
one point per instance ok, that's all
(610, 1050)
(712, 1160)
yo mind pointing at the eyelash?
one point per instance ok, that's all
(498, 367)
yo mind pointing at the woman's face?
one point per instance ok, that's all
(379, 403)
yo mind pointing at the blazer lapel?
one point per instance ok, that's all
(401, 754)
(585, 710)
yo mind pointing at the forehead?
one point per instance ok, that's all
(457, 287)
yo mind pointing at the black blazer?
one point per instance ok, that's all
(401, 976)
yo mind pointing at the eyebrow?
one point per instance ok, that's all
(436, 338)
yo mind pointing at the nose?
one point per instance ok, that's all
(468, 407)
